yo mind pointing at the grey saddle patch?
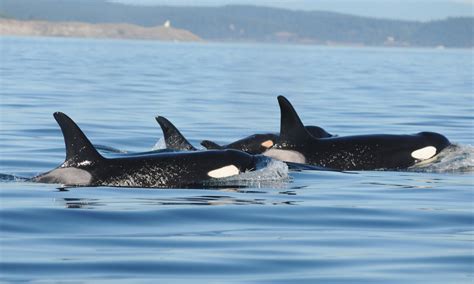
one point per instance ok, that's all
(67, 176)
(286, 155)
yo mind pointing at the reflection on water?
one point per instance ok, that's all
(399, 185)
(372, 226)
(214, 200)
(79, 203)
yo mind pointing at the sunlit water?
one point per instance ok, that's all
(275, 226)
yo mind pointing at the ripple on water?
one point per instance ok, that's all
(305, 227)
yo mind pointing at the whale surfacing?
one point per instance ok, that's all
(84, 166)
(360, 152)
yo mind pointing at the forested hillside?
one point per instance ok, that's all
(251, 23)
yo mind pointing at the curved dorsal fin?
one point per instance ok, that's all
(318, 132)
(292, 129)
(173, 138)
(78, 148)
(210, 145)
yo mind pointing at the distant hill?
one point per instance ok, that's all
(250, 23)
(77, 29)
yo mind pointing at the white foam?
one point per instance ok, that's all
(270, 173)
(454, 159)
(159, 145)
(85, 163)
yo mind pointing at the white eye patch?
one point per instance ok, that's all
(267, 144)
(424, 153)
(223, 172)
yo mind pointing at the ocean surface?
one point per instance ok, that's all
(280, 226)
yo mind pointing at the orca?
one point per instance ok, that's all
(84, 166)
(361, 152)
(259, 143)
(175, 141)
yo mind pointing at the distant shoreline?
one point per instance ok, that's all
(229, 23)
(125, 31)
(9, 27)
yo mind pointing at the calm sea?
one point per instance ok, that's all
(326, 227)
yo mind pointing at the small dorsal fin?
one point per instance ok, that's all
(173, 138)
(210, 145)
(318, 132)
(78, 148)
(292, 129)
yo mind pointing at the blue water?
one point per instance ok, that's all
(327, 227)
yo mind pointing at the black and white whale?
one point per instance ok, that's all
(362, 152)
(259, 143)
(85, 166)
(175, 141)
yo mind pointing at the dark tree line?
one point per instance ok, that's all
(251, 23)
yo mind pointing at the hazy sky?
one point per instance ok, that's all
(396, 9)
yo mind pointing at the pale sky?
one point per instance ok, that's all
(421, 10)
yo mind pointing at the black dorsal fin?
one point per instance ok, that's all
(318, 132)
(173, 138)
(210, 145)
(78, 148)
(292, 130)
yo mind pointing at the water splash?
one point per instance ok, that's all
(159, 145)
(11, 178)
(269, 173)
(454, 159)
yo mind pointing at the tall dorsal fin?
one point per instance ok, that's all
(78, 148)
(292, 129)
(210, 145)
(173, 138)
